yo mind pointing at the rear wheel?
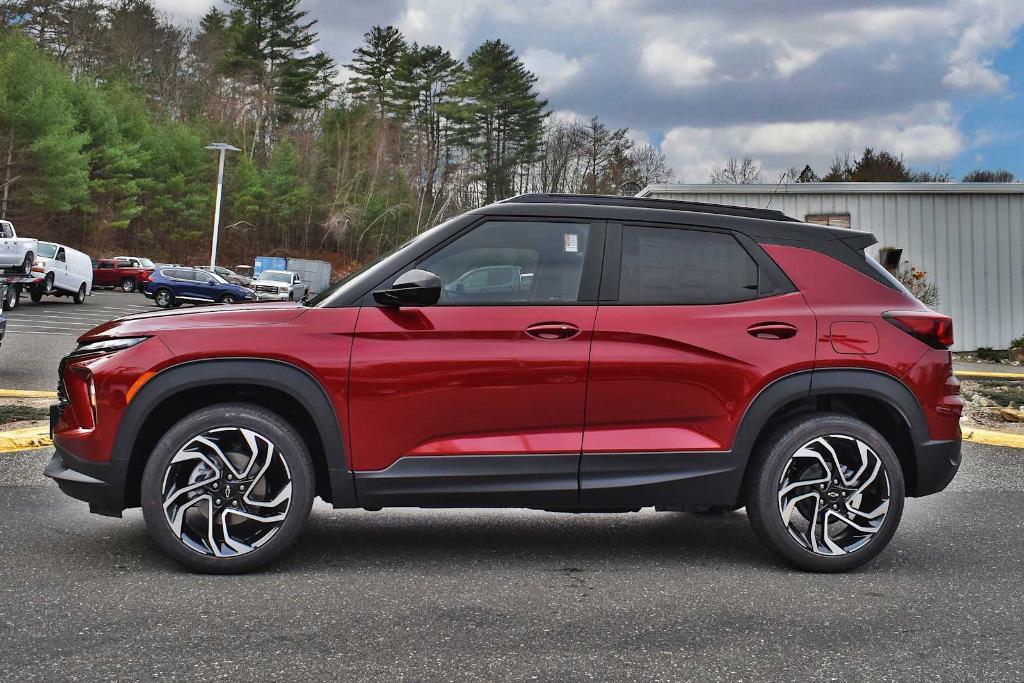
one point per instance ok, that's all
(127, 285)
(826, 492)
(80, 295)
(26, 265)
(163, 298)
(227, 489)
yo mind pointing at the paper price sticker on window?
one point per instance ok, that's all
(572, 243)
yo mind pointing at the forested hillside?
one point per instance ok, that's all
(106, 109)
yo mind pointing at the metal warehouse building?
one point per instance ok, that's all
(968, 237)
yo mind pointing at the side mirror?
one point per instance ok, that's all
(211, 281)
(414, 288)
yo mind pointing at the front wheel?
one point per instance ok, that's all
(227, 299)
(826, 492)
(227, 489)
(10, 301)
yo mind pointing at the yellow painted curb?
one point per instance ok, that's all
(19, 393)
(26, 439)
(983, 436)
(970, 374)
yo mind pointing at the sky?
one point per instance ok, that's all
(786, 82)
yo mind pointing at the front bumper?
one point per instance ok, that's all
(101, 485)
(937, 464)
(272, 296)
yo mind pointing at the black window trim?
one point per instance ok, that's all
(590, 280)
(772, 281)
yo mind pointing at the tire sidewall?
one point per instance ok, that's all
(170, 298)
(763, 499)
(80, 295)
(128, 285)
(288, 443)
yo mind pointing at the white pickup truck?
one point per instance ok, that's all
(16, 253)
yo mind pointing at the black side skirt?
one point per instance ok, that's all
(593, 481)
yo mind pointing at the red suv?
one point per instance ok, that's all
(565, 353)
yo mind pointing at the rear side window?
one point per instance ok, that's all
(678, 266)
(6, 231)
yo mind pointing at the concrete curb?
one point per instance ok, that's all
(989, 438)
(19, 393)
(972, 374)
(27, 439)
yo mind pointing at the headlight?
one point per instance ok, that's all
(107, 346)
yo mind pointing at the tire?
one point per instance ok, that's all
(80, 295)
(798, 451)
(163, 298)
(227, 299)
(26, 265)
(10, 301)
(127, 285)
(181, 487)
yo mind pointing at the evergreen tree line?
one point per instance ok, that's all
(106, 109)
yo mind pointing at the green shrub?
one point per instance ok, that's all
(990, 354)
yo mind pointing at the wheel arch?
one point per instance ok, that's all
(880, 400)
(276, 385)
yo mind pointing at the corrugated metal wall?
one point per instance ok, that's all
(971, 245)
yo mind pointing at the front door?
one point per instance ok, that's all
(693, 324)
(480, 398)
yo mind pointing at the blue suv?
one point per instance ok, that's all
(171, 287)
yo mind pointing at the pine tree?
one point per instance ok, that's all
(499, 117)
(270, 46)
(43, 163)
(606, 152)
(425, 78)
(376, 65)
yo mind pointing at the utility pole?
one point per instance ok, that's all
(223, 148)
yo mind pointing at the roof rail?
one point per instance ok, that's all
(645, 203)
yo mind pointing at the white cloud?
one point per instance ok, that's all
(186, 9)
(553, 70)
(665, 60)
(992, 26)
(924, 136)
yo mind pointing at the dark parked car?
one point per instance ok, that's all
(229, 275)
(171, 287)
(677, 355)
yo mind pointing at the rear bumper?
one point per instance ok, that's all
(937, 464)
(101, 485)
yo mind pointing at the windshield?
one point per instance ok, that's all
(146, 263)
(216, 277)
(275, 276)
(46, 250)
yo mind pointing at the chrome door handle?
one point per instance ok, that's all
(771, 330)
(552, 330)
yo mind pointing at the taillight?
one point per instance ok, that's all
(932, 328)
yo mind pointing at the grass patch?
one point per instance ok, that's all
(15, 413)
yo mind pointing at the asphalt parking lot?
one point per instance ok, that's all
(516, 595)
(40, 334)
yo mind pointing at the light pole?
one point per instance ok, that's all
(224, 148)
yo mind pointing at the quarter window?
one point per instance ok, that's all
(678, 266)
(508, 262)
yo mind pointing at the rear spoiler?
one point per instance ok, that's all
(858, 240)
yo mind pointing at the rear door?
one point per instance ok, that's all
(480, 398)
(693, 323)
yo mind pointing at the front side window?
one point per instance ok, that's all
(6, 231)
(510, 262)
(677, 266)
